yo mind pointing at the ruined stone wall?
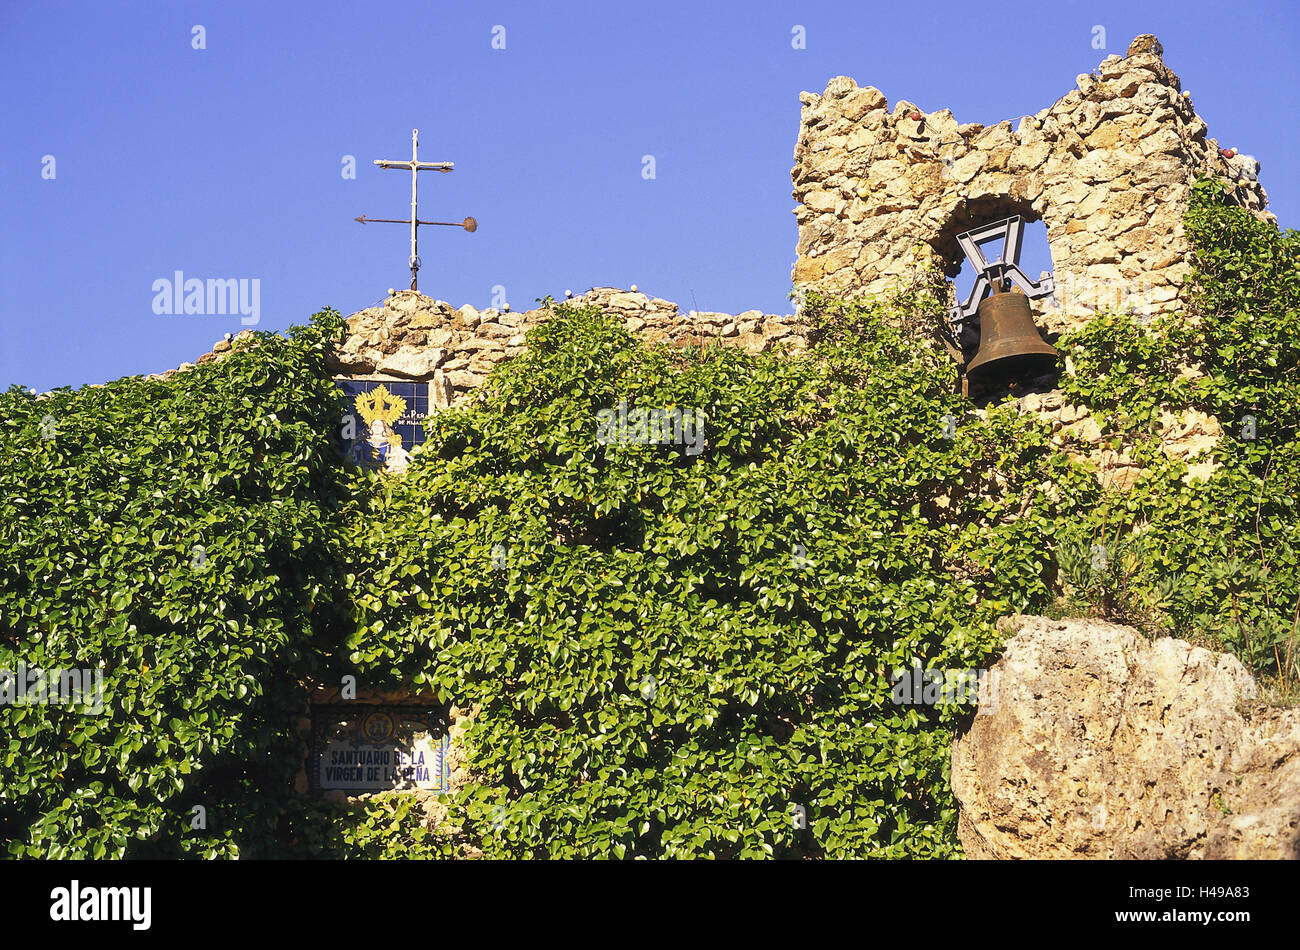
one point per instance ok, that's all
(1108, 168)
(410, 337)
(413, 337)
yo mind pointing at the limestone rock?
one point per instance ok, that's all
(1098, 743)
(411, 363)
(1145, 43)
(463, 379)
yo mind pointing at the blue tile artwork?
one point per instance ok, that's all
(360, 748)
(388, 420)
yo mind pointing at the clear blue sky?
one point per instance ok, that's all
(226, 162)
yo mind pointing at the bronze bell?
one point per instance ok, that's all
(1010, 344)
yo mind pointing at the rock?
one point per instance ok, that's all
(1189, 435)
(407, 301)
(858, 102)
(1116, 469)
(1145, 43)
(475, 344)
(1071, 413)
(461, 379)
(1095, 742)
(629, 302)
(441, 393)
(350, 364)
(412, 364)
(1085, 430)
(838, 87)
(424, 319)
(221, 346)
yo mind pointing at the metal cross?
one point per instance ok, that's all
(416, 166)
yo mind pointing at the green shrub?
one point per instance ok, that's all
(180, 537)
(672, 652)
(1217, 559)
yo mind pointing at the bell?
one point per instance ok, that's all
(1010, 344)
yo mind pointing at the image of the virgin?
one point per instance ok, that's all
(379, 440)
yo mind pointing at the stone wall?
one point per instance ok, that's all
(413, 337)
(1108, 168)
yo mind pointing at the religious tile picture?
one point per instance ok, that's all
(387, 421)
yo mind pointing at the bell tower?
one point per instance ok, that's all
(1108, 168)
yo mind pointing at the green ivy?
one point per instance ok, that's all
(671, 650)
(670, 653)
(1219, 559)
(178, 536)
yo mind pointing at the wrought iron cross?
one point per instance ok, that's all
(416, 166)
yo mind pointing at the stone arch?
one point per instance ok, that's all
(969, 213)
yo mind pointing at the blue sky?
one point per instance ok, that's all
(226, 162)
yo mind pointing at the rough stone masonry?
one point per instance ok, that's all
(412, 337)
(1108, 168)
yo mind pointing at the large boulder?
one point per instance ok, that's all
(1100, 743)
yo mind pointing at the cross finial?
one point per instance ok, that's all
(416, 166)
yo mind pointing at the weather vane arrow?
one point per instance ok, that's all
(416, 166)
(469, 224)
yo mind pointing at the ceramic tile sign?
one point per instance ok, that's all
(359, 748)
(386, 421)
